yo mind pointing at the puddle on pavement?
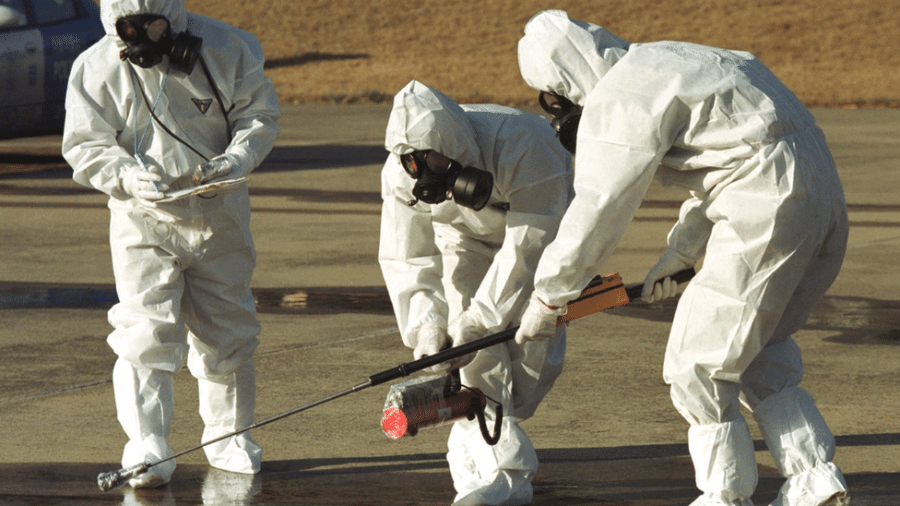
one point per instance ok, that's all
(45, 295)
(324, 300)
(855, 320)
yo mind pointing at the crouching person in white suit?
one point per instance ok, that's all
(472, 194)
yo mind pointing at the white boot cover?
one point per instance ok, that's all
(724, 463)
(803, 446)
(144, 405)
(491, 475)
(227, 403)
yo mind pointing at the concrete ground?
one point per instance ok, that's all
(606, 435)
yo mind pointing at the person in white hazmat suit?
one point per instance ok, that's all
(444, 261)
(766, 209)
(166, 92)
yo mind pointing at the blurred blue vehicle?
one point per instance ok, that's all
(39, 40)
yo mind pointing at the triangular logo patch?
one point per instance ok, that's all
(202, 105)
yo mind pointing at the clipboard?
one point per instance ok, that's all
(204, 188)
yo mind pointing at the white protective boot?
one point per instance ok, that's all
(144, 405)
(227, 403)
(724, 463)
(803, 446)
(491, 475)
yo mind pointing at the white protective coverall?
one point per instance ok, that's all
(183, 268)
(767, 209)
(439, 260)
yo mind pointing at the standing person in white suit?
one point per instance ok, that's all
(767, 210)
(166, 100)
(469, 260)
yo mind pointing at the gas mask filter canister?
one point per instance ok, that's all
(149, 37)
(565, 117)
(435, 183)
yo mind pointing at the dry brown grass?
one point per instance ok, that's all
(830, 52)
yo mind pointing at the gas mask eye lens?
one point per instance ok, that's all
(410, 165)
(416, 163)
(127, 32)
(555, 105)
(550, 103)
(156, 29)
(436, 161)
(131, 29)
(566, 117)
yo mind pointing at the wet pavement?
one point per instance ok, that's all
(606, 435)
(574, 477)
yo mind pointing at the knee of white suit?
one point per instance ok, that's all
(702, 400)
(724, 461)
(147, 341)
(495, 475)
(777, 367)
(211, 361)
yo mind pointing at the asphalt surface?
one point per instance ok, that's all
(606, 435)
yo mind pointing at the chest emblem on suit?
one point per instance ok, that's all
(202, 105)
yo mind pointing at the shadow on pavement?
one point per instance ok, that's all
(856, 320)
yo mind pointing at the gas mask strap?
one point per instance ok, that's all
(212, 84)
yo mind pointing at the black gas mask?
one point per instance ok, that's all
(149, 38)
(566, 116)
(439, 178)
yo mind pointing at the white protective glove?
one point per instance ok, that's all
(219, 168)
(658, 284)
(430, 339)
(539, 321)
(465, 328)
(144, 185)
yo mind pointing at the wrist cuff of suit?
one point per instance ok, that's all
(552, 309)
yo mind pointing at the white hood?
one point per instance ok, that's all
(173, 10)
(424, 118)
(567, 57)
